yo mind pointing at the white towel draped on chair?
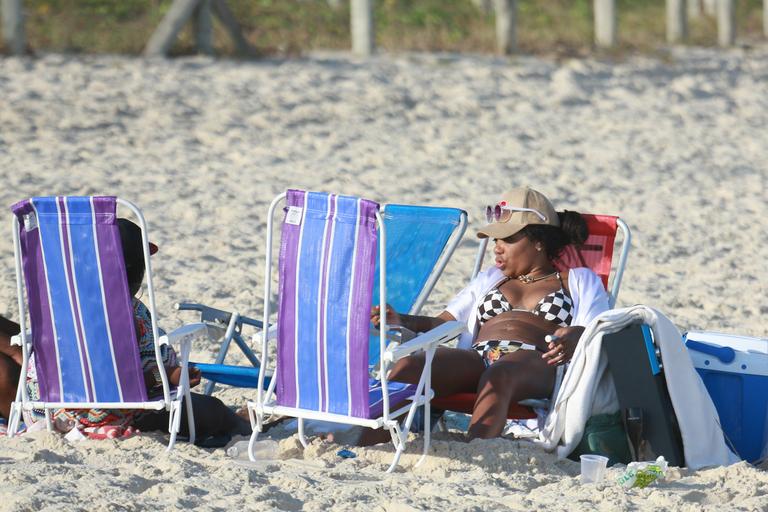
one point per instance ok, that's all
(588, 390)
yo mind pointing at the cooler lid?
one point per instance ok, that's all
(742, 343)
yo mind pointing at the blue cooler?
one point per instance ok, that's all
(735, 371)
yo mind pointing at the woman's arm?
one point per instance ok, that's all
(153, 380)
(416, 323)
(590, 299)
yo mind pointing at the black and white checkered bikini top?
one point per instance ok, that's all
(556, 307)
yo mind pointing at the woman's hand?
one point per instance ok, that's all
(563, 345)
(174, 375)
(393, 317)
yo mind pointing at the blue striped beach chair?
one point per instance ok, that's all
(420, 241)
(327, 265)
(69, 254)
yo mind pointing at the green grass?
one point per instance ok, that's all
(291, 27)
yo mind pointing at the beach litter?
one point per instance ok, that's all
(346, 454)
(643, 474)
(262, 450)
(592, 468)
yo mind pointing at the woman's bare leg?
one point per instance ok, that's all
(453, 371)
(517, 376)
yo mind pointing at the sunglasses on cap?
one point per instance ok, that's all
(502, 213)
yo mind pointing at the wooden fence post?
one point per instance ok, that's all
(677, 21)
(181, 11)
(605, 23)
(169, 27)
(204, 28)
(229, 21)
(726, 22)
(361, 19)
(13, 27)
(506, 29)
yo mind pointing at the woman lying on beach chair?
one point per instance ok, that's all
(509, 310)
(214, 422)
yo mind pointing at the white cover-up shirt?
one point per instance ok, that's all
(586, 289)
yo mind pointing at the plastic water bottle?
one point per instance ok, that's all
(266, 449)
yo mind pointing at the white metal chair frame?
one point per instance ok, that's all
(428, 342)
(170, 400)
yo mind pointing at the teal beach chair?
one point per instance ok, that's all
(420, 242)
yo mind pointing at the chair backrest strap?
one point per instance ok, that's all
(326, 270)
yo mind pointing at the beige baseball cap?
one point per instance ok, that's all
(516, 209)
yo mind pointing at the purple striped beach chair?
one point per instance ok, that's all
(82, 330)
(327, 263)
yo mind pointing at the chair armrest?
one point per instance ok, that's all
(184, 334)
(396, 333)
(441, 334)
(215, 316)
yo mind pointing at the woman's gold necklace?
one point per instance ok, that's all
(528, 278)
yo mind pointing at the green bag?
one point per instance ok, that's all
(604, 435)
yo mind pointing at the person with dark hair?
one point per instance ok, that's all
(509, 310)
(215, 423)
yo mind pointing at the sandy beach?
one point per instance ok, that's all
(675, 146)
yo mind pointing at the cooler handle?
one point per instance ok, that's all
(724, 354)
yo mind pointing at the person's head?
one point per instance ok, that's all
(133, 253)
(526, 218)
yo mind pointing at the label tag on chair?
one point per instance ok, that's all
(30, 221)
(294, 215)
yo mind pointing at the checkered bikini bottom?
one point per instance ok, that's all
(492, 350)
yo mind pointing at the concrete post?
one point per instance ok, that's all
(14, 37)
(677, 21)
(605, 23)
(506, 30)
(765, 18)
(726, 22)
(204, 28)
(361, 19)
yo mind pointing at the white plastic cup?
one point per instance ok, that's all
(592, 468)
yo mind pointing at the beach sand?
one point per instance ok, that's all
(676, 147)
